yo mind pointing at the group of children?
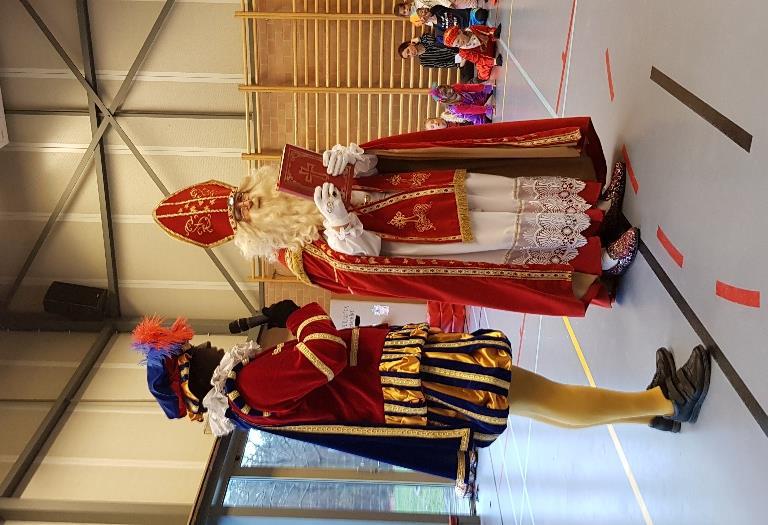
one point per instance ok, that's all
(461, 26)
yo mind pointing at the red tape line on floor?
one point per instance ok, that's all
(738, 295)
(610, 77)
(673, 252)
(630, 171)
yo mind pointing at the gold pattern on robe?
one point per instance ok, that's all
(467, 269)
(316, 361)
(419, 218)
(462, 205)
(354, 346)
(294, 262)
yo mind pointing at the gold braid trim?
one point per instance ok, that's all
(461, 471)
(304, 349)
(190, 213)
(466, 342)
(389, 343)
(325, 337)
(480, 417)
(398, 409)
(354, 344)
(563, 139)
(427, 269)
(467, 376)
(462, 205)
(400, 197)
(349, 430)
(309, 320)
(294, 262)
(400, 381)
(388, 237)
(485, 437)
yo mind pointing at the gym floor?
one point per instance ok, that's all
(674, 88)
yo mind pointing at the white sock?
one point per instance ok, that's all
(606, 262)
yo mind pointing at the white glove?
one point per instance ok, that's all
(337, 158)
(329, 203)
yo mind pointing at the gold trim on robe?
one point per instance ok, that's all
(462, 205)
(424, 267)
(294, 262)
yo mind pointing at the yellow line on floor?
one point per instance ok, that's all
(612, 431)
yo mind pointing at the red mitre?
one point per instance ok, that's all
(201, 214)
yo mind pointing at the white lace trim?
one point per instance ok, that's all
(551, 194)
(551, 220)
(216, 400)
(548, 238)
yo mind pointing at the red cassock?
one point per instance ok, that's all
(538, 289)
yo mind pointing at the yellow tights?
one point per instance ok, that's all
(575, 406)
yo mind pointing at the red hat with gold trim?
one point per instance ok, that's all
(449, 37)
(201, 214)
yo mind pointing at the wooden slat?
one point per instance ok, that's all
(285, 15)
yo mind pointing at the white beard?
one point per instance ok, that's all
(280, 221)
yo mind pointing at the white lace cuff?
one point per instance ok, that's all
(352, 228)
(216, 400)
(366, 165)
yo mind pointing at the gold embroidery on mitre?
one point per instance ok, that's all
(201, 193)
(198, 225)
(419, 218)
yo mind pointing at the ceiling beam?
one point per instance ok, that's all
(109, 118)
(204, 115)
(68, 189)
(100, 162)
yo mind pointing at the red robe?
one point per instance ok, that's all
(538, 289)
(427, 206)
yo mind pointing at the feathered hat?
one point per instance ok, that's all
(202, 214)
(168, 365)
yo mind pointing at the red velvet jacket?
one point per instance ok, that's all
(322, 376)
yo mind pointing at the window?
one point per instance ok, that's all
(275, 475)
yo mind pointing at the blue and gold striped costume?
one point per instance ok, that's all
(447, 380)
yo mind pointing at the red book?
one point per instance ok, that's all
(302, 170)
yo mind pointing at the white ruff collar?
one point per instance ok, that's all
(216, 400)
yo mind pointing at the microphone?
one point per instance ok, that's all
(246, 323)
